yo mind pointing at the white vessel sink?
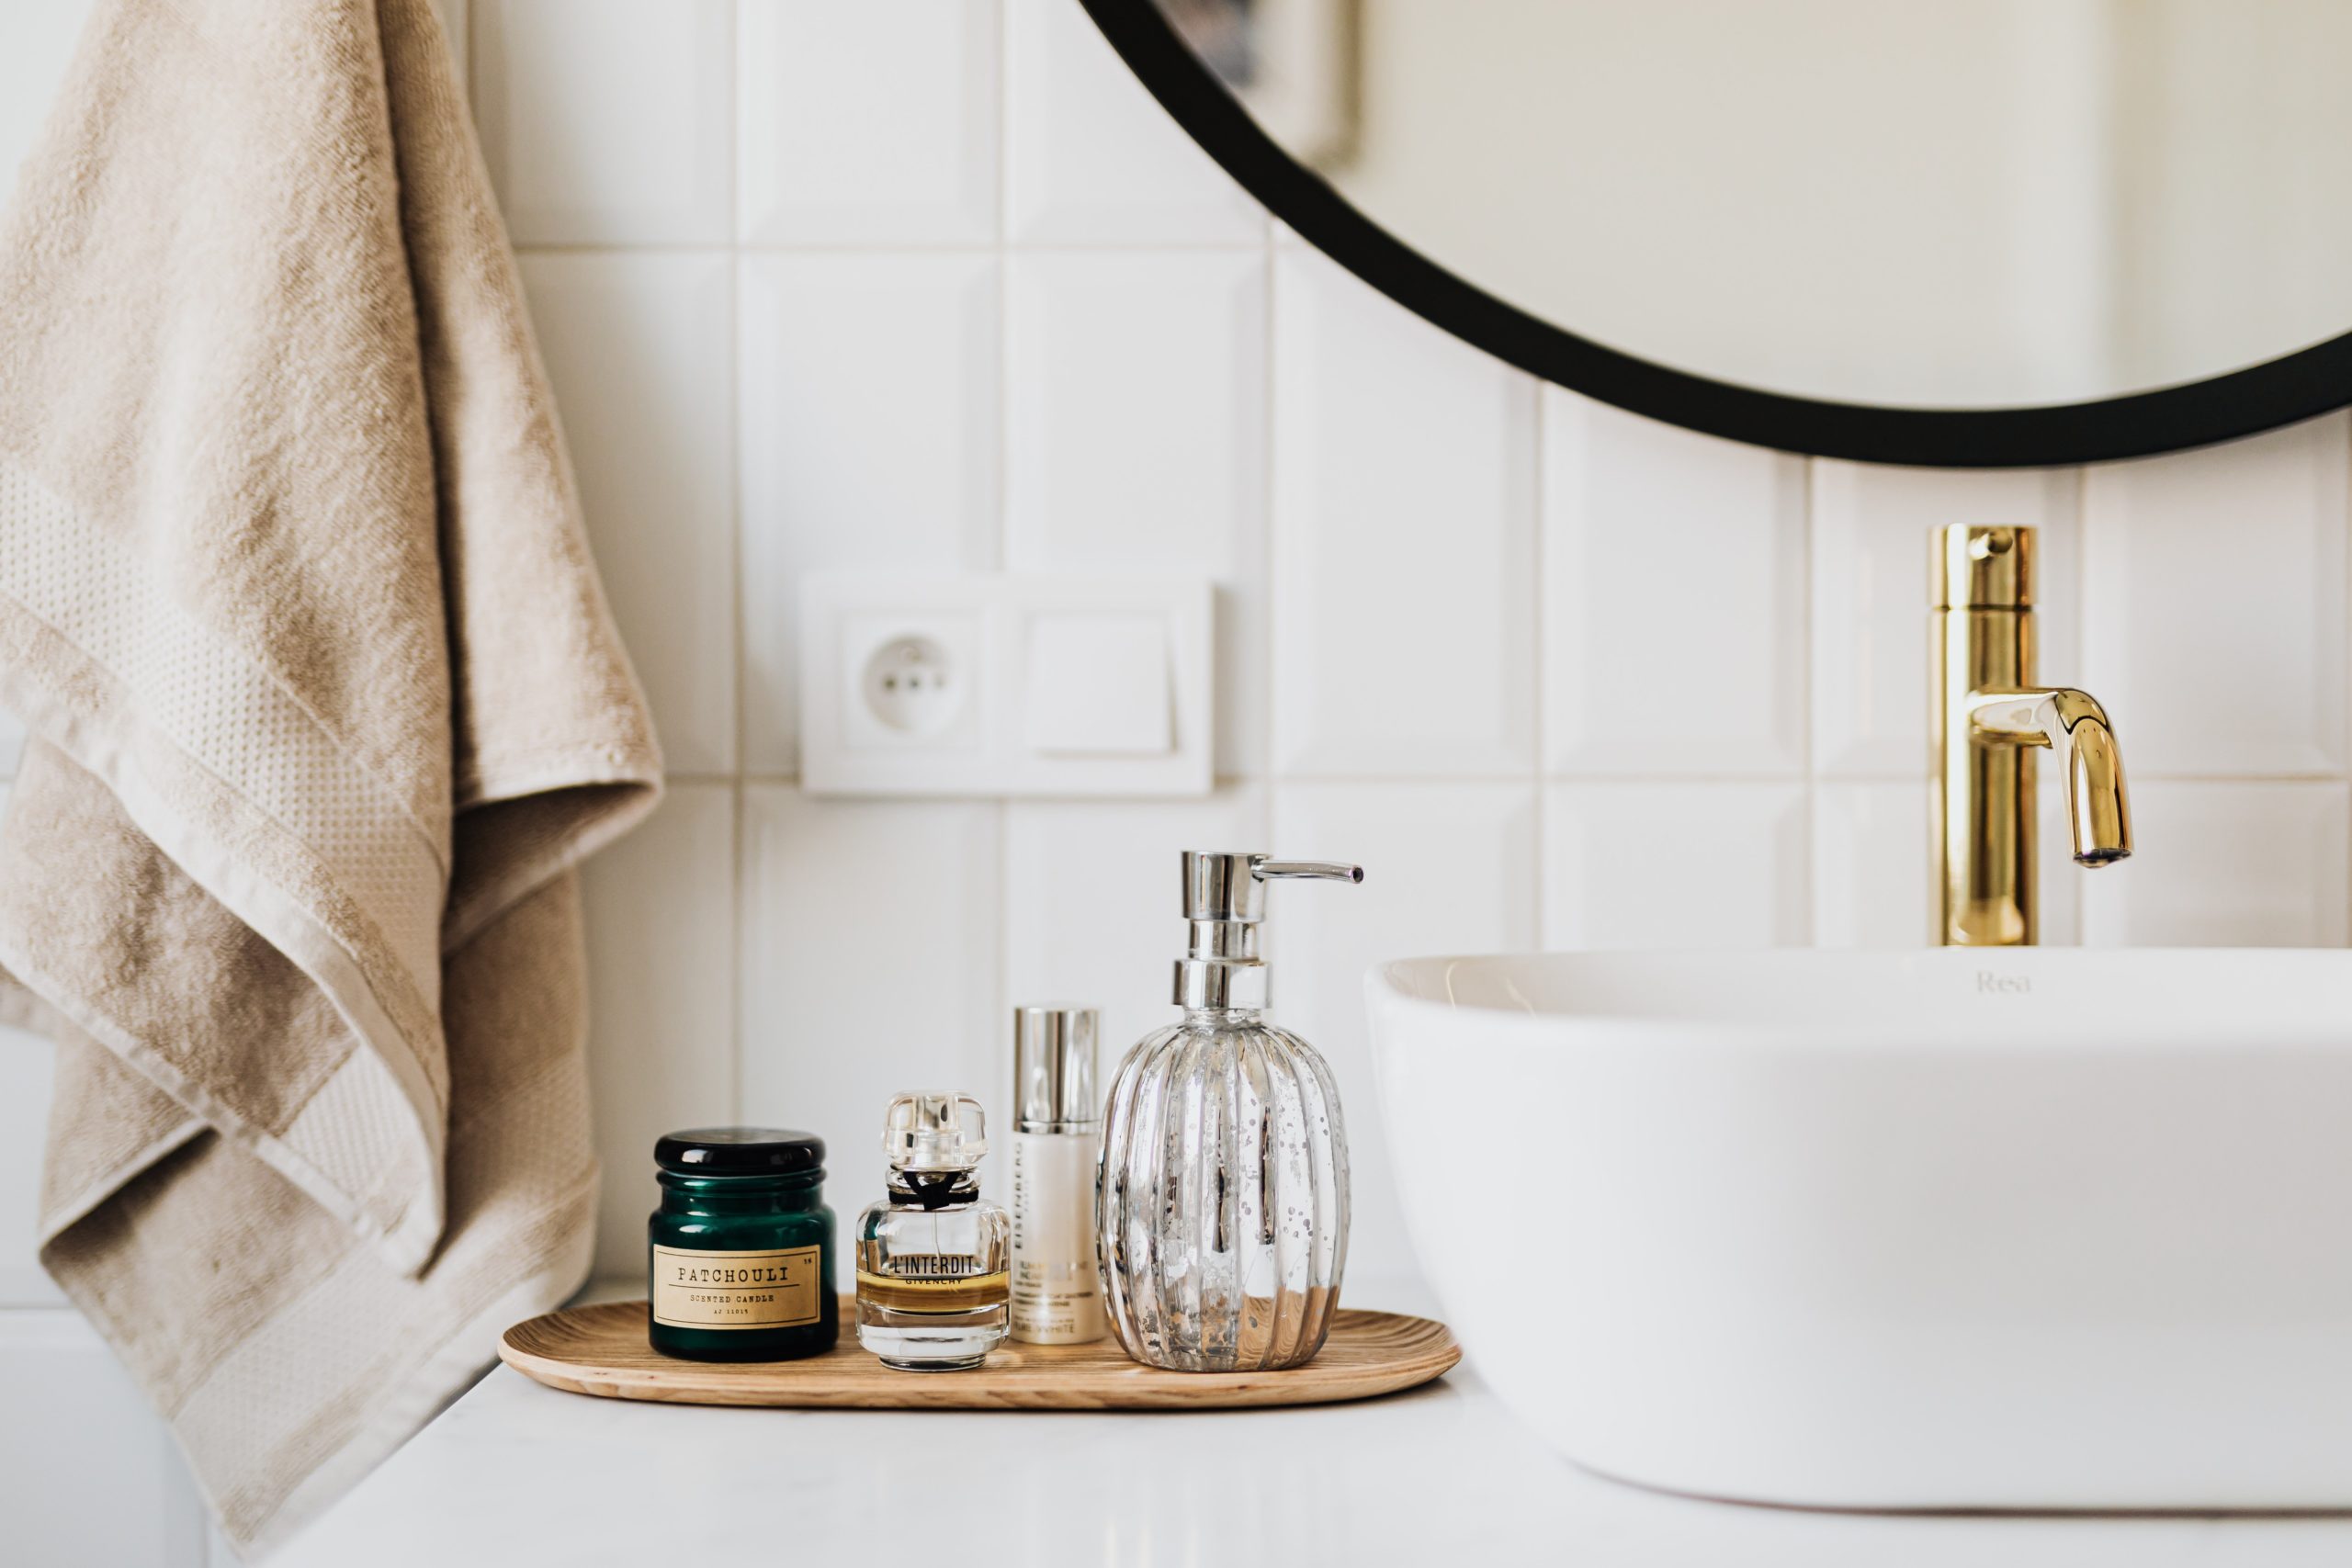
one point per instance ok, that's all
(1958, 1229)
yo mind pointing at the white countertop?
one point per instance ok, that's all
(515, 1474)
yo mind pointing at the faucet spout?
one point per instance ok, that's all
(2072, 724)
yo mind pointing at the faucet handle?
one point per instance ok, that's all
(1984, 566)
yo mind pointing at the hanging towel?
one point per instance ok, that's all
(326, 705)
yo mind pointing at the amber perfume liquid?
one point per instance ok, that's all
(933, 1283)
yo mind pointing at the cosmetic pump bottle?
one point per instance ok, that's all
(932, 1255)
(1223, 1209)
(1057, 1145)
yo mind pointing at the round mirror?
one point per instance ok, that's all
(1973, 233)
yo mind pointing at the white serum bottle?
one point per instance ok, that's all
(1057, 1145)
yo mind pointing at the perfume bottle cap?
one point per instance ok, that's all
(1053, 1067)
(934, 1132)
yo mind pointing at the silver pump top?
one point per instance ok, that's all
(1053, 1068)
(934, 1132)
(1224, 898)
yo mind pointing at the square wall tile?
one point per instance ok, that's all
(1092, 158)
(870, 959)
(1108, 937)
(869, 439)
(1448, 868)
(89, 1475)
(2227, 864)
(1404, 540)
(40, 39)
(26, 1077)
(1674, 590)
(640, 349)
(1136, 439)
(1874, 535)
(2215, 614)
(608, 122)
(1875, 871)
(1675, 865)
(869, 125)
(660, 999)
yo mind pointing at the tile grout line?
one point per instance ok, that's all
(2079, 596)
(1805, 610)
(1538, 685)
(737, 804)
(1728, 779)
(886, 247)
(1000, 910)
(1269, 491)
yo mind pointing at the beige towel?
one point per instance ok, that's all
(327, 704)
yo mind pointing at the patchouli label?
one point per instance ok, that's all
(735, 1290)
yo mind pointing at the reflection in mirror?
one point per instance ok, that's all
(1970, 203)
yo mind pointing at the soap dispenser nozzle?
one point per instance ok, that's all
(1224, 898)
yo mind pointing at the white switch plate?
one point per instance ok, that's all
(922, 685)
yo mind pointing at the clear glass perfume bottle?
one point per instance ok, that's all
(933, 1257)
(1222, 1216)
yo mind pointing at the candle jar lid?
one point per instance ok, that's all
(741, 1151)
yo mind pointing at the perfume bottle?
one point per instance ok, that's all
(933, 1257)
(1223, 1211)
(1056, 1146)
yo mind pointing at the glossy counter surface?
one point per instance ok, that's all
(516, 1474)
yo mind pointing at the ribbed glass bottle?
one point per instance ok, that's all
(1223, 1209)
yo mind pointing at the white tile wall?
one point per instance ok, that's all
(1675, 865)
(869, 952)
(1873, 881)
(662, 997)
(1708, 679)
(609, 122)
(870, 437)
(639, 347)
(2245, 863)
(1405, 478)
(1091, 160)
(868, 125)
(2216, 619)
(87, 1474)
(945, 289)
(25, 1076)
(1136, 439)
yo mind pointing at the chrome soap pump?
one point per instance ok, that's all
(1222, 1211)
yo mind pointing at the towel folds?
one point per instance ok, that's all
(326, 705)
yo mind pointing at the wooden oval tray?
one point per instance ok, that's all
(602, 1351)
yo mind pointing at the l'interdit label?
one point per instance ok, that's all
(735, 1290)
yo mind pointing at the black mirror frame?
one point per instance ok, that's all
(2309, 382)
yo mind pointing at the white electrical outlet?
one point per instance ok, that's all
(910, 681)
(1005, 685)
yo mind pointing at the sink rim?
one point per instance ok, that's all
(2093, 998)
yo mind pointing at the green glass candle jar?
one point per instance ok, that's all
(741, 1249)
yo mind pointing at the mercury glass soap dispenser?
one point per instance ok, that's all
(1222, 1211)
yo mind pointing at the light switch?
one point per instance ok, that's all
(1098, 686)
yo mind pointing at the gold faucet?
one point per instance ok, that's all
(1990, 717)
